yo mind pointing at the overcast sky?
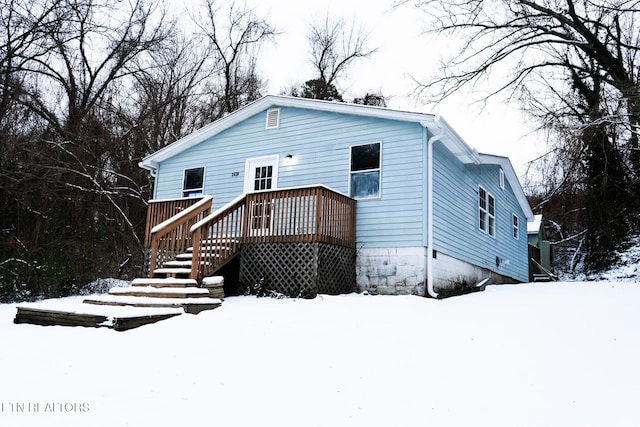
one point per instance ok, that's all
(403, 51)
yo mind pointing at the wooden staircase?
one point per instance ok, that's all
(181, 266)
(161, 293)
(145, 301)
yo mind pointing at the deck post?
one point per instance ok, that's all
(196, 265)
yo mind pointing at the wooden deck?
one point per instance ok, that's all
(314, 214)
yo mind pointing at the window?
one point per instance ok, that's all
(193, 183)
(263, 179)
(365, 171)
(273, 118)
(516, 228)
(501, 179)
(486, 212)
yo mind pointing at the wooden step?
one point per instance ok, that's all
(189, 305)
(150, 291)
(189, 256)
(172, 272)
(166, 282)
(118, 318)
(209, 250)
(182, 264)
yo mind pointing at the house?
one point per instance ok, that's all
(540, 251)
(363, 198)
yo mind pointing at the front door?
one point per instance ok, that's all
(261, 174)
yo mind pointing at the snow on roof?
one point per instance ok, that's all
(533, 227)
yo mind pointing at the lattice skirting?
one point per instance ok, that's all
(299, 269)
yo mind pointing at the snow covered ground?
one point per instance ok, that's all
(561, 354)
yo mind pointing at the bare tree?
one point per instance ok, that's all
(168, 90)
(68, 196)
(575, 65)
(335, 45)
(235, 35)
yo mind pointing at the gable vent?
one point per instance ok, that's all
(273, 118)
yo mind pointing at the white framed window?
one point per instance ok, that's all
(486, 212)
(273, 118)
(364, 171)
(501, 179)
(516, 227)
(193, 182)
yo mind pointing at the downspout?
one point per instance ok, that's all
(436, 136)
(154, 174)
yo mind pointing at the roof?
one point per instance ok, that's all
(436, 125)
(533, 227)
(512, 178)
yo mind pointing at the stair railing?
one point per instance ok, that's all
(160, 210)
(217, 238)
(172, 236)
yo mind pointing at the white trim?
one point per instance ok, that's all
(515, 226)
(487, 228)
(379, 169)
(501, 173)
(273, 160)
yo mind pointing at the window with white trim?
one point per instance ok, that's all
(364, 180)
(516, 227)
(501, 179)
(486, 212)
(193, 182)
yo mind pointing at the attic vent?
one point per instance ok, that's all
(273, 118)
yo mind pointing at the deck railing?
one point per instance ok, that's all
(173, 236)
(307, 214)
(161, 210)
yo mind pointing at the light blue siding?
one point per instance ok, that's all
(456, 225)
(320, 145)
